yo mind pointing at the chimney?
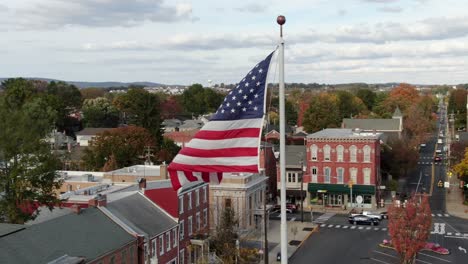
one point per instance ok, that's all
(142, 184)
(98, 200)
(163, 171)
(76, 209)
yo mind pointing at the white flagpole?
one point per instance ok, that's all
(284, 226)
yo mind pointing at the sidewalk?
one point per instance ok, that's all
(454, 200)
(274, 237)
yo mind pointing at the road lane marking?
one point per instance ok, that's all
(446, 215)
(293, 219)
(457, 234)
(353, 227)
(330, 226)
(378, 260)
(423, 261)
(361, 227)
(368, 228)
(384, 229)
(383, 253)
(457, 237)
(323, 225)
(434, 257)
(376, 228)
(337, 226)
(439, 215)
(449, 233)
(466, 235)
(345, 227)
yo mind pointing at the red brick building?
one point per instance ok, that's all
(190, 207)
(338, 159)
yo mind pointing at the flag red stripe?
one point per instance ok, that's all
(219, 153)
(209, 168)
(227, 134)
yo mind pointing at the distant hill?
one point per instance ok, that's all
(101, 84)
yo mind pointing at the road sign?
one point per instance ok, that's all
(447, 184)
(382, 187)
(359, 199)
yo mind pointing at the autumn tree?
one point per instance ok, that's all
(461, 169)
(323, 112)
(92, 93)
(27, 166)
(117, 148)
(367, 96)
(224, 241)
(349, 105)
(290, 111)
(170, 107)
(409, 227)
(399, 157)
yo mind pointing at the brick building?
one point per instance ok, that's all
(337, 159)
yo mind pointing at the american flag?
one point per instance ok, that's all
(230, 141)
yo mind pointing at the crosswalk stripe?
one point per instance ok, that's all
(465, 235)
(345, 227)
(439, 215)
(323, 225)
(384, 229)
(368, 228)
(457, 234)
(330, 226)
(446, 215)
(449, 233)
(433, 215)
(376, 228)
(353, 227)
(360, 227)
(337, 226)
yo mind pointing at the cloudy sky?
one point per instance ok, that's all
(184, 42)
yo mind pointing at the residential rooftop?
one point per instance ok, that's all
(335, 133)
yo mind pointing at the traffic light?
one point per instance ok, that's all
(350, 184)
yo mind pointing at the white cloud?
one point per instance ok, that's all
(380, 1)
(52, 14)
(252, 8)
(391, 9)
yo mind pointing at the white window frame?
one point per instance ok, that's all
(367, 176)
(314, 175)
(326, 178)
(168, 241)
(353, 175)
(189, 206)
(292, 177)
(205, 217)
(198, 220)
(181, 204)
(367, 153)
(174, 234)
(314, 152)
(190, 225)
(327, 153)
(353, 153)
(182, 256)
(197, 197)
(153, 247)
(161, 245)
(339, 153)
(340, 178)
(181, 230)
(205, 194)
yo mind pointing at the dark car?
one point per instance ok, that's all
(437, 159)
(384, 215)
(363, 220)
(289, 209)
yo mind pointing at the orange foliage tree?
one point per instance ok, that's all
(409, 227)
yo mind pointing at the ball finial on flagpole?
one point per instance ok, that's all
(281, 20)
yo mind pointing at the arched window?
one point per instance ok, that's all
(353, 153)
(367, 152)
(313, 172)
(339, 153)
(313, 152)
(326, 153)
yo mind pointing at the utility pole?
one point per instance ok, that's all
(265, 230)
(302, 190)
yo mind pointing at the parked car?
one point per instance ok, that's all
(289, 209)
(384, 215)
(377, 216)
(363, 219)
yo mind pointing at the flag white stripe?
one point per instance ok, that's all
(223, 143)
(222, 125)
(182, 178)
(229, 161)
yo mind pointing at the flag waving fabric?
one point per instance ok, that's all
(230, 141)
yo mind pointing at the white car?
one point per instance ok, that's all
(370, 214)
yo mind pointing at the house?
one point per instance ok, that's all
(245, 193)
(341, 161)
(147, 220)
(390, 128)
(133, 173)
(272, 132)
(295, 161)
(84, 137)
(77, 236)
(190, 207)
(190, 125)
(171, 125)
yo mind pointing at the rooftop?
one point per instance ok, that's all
(333, 133)
(139, 171)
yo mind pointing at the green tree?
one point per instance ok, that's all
(368, 97)
(65, 99)
(142, 109)
(27, 166)
(290, 111)
(117, 148)
(224, 241)
(322, 113)
(92, 93)
(99, 112)
(197, 100)
(349, 105)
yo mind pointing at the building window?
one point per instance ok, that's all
(339, 153)
(367, 173)
(112, 260)
(205, 194)
(326, 153)
(292, 176)
(205, 217)
(132, 254)
(174, 237)
(161, 245)
(153, 248)
(190, 225)
(339, 175)
(181, 230)
(327, 174)
(353, 172)
(313, 172)
(313, 152)
(353, 153)
(168, 241)
(189, 206)
(197, 197)
(198, 221)
(367, 151)
(182, 256)
(181, 204)
(124, 257)
(227, 202)
(146, 253)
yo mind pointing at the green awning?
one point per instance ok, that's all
(340, 188)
